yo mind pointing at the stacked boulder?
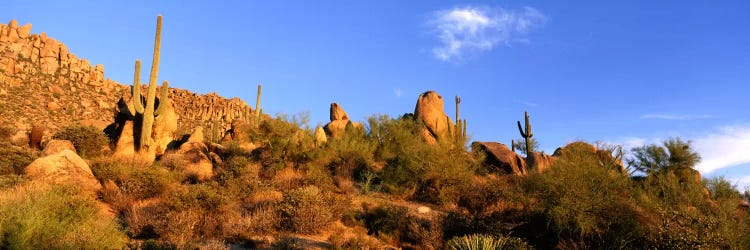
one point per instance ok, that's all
(430, 110)
(500, 158)
(339, 122)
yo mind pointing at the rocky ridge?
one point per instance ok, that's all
(42, 83)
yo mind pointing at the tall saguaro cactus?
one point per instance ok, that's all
(460, 128)
(148, 112)
(258, 110)
(527, 134)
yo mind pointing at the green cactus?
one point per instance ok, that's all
(137, 100)
(458, 103)
(258, 110)
(527, 134)
(463, 126)
(460, 128)
(148, 112)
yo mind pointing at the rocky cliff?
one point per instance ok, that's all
(43, 83)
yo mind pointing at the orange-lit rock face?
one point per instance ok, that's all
(431, 111)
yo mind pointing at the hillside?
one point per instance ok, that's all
(157, 180)
(44, 83)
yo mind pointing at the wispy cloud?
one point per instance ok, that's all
(530, 104)
(675, 117)
(725, 147)
(466, 29)
(398, 92)
(742, 182)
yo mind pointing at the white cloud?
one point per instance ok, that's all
(530, 104)
(726, 147)
(742, 182)
(398, 93)
(730, 146)
(674, 117)
(461, 30)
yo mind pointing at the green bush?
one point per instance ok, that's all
(386, 221)
(6, 132)
(57, 217)
(88, 140)
(487, 242)
(14, 159)
(430, 173)
(584, 203)
(721, 188)
(134, 180)
(308, 209)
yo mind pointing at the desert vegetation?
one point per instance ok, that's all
(407, 182)
(381, 186)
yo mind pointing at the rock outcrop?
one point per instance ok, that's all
(42, 82)
(339, 122)
(431, 111)
(64, 167)
(196, 155)
(543, 162)
(605, 157)
(56, 146)
(320, 137)
(500, 158)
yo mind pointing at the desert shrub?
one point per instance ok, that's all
(14, 159)
(234, 167)
(352, 238)
(309, 209)
(430, 173)
(481, 241)
(145, 183)
(686, 229)
(282, 141)
(88, 140)
(57, 217)
(583, 202)
(288, 243)
(350, 155)
(721, 188)
(671, 188)
(133, 179)
(6, 132)
(386, 222)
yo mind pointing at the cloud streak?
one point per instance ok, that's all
(675, 117)
(725, 147)
(476, 29)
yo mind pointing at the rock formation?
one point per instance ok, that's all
(64, 167)
(42, 82)
(500, 158)
(431, 111)
(339, 122)
(196, 155)
(320, 137)
(605, 157)
(56, 146)
(542, 161)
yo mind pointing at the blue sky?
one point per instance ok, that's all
(628, 72)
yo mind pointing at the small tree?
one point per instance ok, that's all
(520, 145)
(673, 154)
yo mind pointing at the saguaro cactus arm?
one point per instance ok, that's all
(163, 99)
(258, 110)
(137, 103)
